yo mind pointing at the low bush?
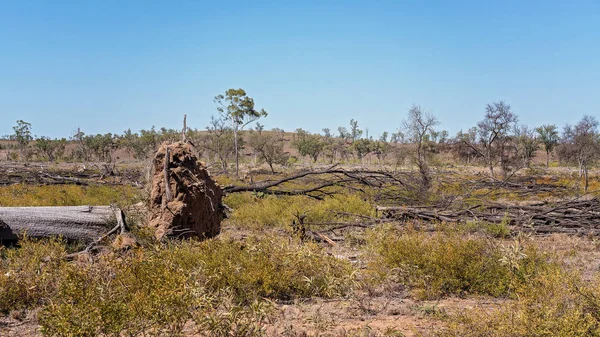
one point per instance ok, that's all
(30, 274)
(450, 263)
(223, 285)
(554, 303)
(256, 211)
(67, 195)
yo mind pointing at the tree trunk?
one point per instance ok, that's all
(73, 223)
(586, 177)
(271, 166)
(547, 158)
(235, 144)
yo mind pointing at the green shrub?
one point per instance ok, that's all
(222, 285)
(67, 195)
(30, 274)
(275, 268)
(445, 262)
(553, 303)
(253, 211)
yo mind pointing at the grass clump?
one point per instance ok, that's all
(555, 303)
(450, 263)
(67, 195)
(30, 274)
(222, 287)
(260, 211)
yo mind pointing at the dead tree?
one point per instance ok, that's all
(73, 223)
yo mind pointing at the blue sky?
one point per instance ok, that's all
(106, 66)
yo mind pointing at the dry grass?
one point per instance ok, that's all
(67, 195)
(257, 211)
(224, 286)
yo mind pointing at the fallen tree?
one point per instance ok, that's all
(73, 223)
(573, 216)
(320, 183)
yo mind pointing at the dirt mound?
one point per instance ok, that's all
(189, 205)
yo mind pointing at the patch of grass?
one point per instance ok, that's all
(67, 195)
(444, 263)
(29, 275)
(270, 266)
(259, 211)
(223, 286)
(554, 303)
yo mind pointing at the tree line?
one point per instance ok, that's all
(498, 141)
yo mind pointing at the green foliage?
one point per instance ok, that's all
(549, 138)
(308, 144)
(269, 147)
(274, 268)
(363, 146)
(446, 262)
(355, 132)
(67, 195)
(22, 133)
(252, 211)
(30, 274)
(236, 107)
(499, 230)
(221, 285)
(553, 303)
(51, 148)
(102, 146)
(140, 144)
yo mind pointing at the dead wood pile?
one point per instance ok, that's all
(574, 216)
(320, 183)
(68, 174)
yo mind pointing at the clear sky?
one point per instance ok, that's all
(111, 65)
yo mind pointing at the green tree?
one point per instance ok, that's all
(81, 151)
(102, 145)
(269, 146)
(355, 132)
(51, 148)
(219, 141)
(362, 146)
(238, 110)
(308, 144)
(549, 138)
(22, 134)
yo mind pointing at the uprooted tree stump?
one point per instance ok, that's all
(184, 200)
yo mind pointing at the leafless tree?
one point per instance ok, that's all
(494, 134)
(526, 145)
(417, 126)
(219, 141)
(581, 144)
(269, 147)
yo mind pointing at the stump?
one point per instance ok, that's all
(184, 201)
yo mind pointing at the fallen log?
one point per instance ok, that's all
(568, 216)
(73, 223)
